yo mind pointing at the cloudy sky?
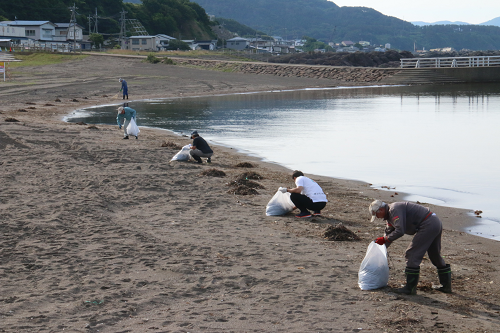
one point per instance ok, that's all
(473, 12)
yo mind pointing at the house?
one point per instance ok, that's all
(205, 44)
(140, 43)
(162, 41)
(68, 32)
(9, 32)
(38, 30)
(237, 43)
(347, 43)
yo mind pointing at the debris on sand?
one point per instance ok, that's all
(245, 165)
(243, 190)
(80, 123)
(213, 173)
(11, 120)
(93, 127)
(249, 175)
(22, 110)
(170, 144)
(57, 100)
(48, 104)
(339, 233)
(243, 187)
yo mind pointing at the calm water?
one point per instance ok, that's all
(439, 143)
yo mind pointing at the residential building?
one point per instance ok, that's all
(140, 43)
(68, 32)
(237, 43)
(162, 41)
(11, 32)
(43, 31)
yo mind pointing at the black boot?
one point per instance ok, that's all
(445, 279)
(412, 275)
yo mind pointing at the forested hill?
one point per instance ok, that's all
(324, 20)
(172, 17)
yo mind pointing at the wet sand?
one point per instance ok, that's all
(100, 234)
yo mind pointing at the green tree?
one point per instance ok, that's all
(176, 44)
(96, 39)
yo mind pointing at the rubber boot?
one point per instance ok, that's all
(445, 279)
(412, 275)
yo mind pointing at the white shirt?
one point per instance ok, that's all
(311, 189)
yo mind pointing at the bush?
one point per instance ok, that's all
(152, 59)
(168, 61)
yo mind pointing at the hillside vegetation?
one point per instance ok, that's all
(177, 18)
(328, 22)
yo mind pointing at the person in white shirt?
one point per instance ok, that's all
(307, 195)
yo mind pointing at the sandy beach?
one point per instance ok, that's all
(100, 234)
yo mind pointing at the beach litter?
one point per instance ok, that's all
(339, 233)
(245, 165)
(213, 173)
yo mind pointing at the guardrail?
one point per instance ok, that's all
(480, 61)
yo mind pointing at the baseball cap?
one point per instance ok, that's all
(194, 133)
(374, 207)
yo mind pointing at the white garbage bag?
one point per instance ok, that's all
(280, 204)
(374, 269)
(183, 154)
(132, 128)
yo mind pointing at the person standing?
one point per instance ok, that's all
(413, 219)
(307, 195)
(125, 114)
(200, 148)
(124, 88)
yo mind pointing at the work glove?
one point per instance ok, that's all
(282, 189)
(380, 241)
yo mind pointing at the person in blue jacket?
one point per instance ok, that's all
(125, 114)
(124, 88)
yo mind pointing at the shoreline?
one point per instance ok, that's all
(465, 224)
(101, 234)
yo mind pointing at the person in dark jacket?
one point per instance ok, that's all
(413, 219)
(200, 148)
(124, 88)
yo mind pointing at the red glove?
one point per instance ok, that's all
(380, 240)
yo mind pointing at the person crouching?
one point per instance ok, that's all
(200, 148)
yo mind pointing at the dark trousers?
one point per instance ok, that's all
(304, 203)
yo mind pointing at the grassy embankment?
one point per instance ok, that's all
(41, 59)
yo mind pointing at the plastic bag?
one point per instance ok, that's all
(280, 204)
(132, 128)
(183, 154)
(374, 269)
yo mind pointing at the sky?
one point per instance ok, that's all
(473, 12)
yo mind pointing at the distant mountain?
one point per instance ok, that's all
(495, 22)
(327, 22)
(420, 23)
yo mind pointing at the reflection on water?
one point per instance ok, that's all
(437, 142)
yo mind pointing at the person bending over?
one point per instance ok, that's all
(307, 195)
(125, 114)
(413, 219)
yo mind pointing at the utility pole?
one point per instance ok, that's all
(73, 21)
(122, 27)
(95, 22)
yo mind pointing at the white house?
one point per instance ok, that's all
(68, 32)
(38, 30)
(8, 31)
(162, 41)
(237, 43)
(140, 43)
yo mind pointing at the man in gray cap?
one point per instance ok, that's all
(200, 148)
(412, 219)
